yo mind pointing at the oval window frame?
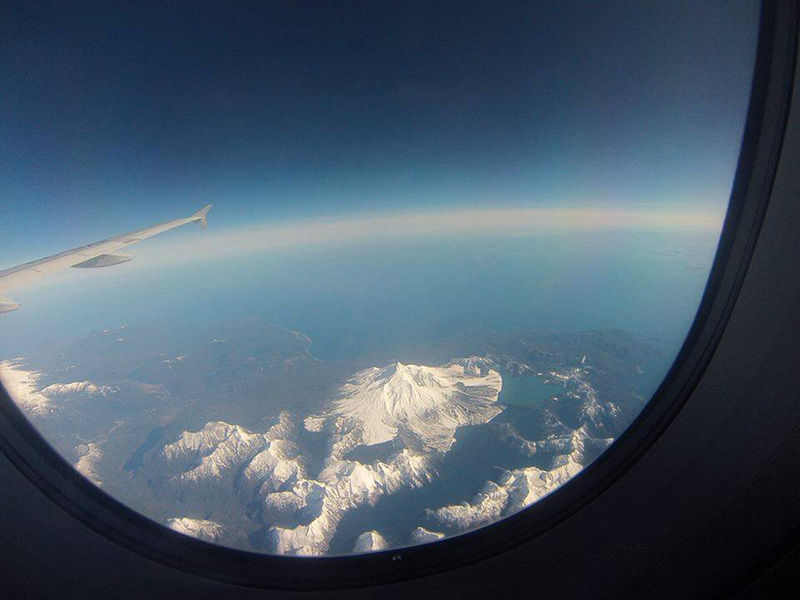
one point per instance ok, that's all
(770, 98)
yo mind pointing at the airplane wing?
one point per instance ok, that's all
(92, 256)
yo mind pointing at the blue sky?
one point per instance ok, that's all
(113, 118)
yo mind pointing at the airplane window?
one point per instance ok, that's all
(453, 250)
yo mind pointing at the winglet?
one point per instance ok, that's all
(200, 216)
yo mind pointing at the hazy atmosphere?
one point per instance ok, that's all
(453, 250)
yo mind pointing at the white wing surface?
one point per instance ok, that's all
(93, 256)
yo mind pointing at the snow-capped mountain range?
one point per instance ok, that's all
(420, 406)
(291, 482)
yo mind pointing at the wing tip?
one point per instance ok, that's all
(200, 216)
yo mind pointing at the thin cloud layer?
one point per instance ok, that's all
(354, 230)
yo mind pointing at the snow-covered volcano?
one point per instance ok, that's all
(429, 403)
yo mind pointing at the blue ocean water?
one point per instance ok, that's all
(374, 300)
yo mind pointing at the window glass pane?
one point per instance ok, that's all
(452, 254)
